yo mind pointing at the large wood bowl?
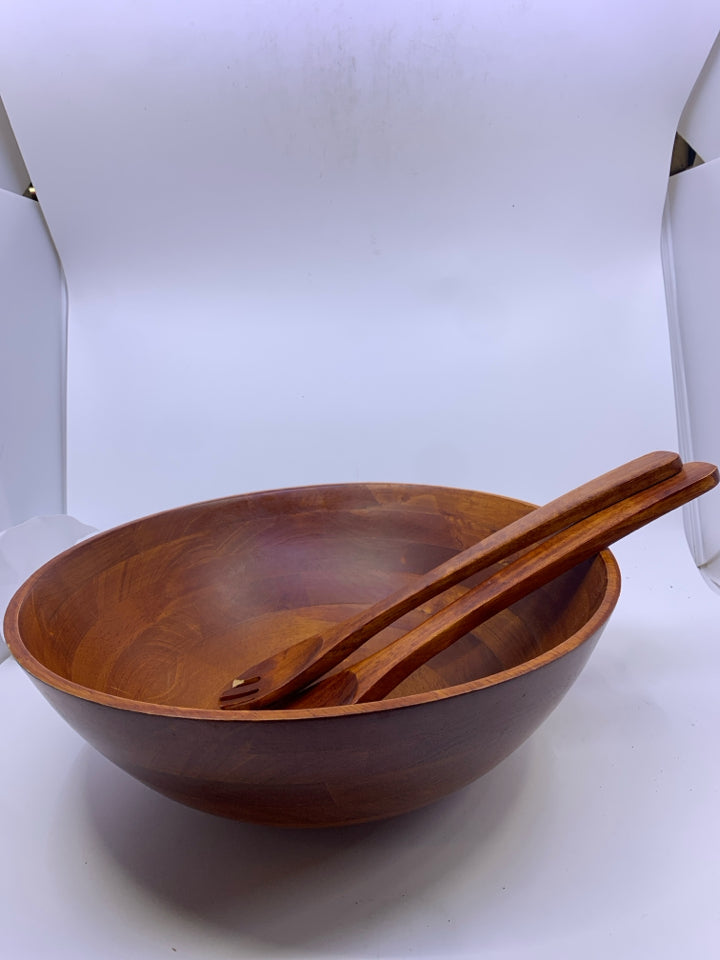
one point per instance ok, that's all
(133, 634)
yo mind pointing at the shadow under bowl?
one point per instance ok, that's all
(132, 635)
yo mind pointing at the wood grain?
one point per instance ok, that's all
(131, 634)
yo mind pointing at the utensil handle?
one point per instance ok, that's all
(581, 502)
(308, 659)
(377, 675)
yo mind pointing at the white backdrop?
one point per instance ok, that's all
(32, 361)
(322, 242)
(310, 242)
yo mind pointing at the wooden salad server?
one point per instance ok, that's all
(294, 668)
(377, 675)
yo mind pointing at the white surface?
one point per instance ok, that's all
(691, 242)
(599, 838)
(32, 365)
(700, 120)
(322, 242)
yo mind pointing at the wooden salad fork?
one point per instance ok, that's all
(377, 675)
(304, 662)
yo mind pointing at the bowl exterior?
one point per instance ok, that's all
(328, 770)
(161, 601)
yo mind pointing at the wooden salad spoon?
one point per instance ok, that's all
(305, 661)
(377, 675)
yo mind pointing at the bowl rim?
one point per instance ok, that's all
(39, 671)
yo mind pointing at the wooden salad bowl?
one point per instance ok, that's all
(132, 635)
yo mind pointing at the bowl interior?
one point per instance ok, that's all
(168, 609)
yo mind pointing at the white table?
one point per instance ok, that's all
(598, 838)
